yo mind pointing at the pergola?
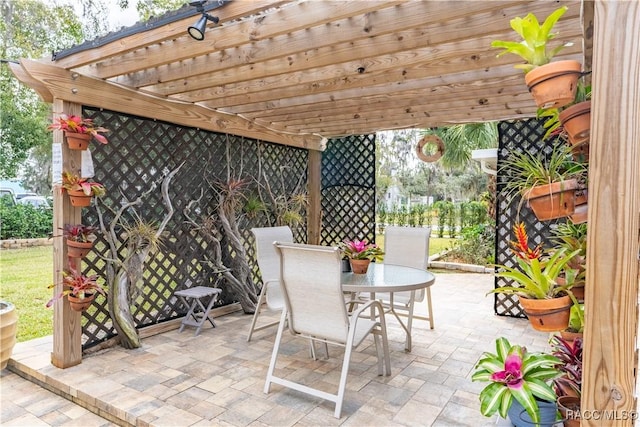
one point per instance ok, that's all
(299, 72)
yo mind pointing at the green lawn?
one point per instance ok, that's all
(25, 275)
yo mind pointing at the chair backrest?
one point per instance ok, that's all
(310, 279)
(266, 254)
(407, 246)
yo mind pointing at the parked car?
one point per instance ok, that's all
(35, 201)
(21, 195)
(9, 194)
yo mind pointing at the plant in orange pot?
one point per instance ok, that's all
(546, 303)
(80, 290)
(360, 254)
(80, 239)
(81, 190)
(78, 131)
(552, 84)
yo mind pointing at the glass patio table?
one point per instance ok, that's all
(388, 278)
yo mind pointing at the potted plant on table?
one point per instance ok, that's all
(548, 183)
(360, 253)
(552, 84)
(81, 190)
(546, 303)
(80, 290)
(520, 384)
(80, 239)
(78, 131)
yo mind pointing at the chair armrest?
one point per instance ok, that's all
(375, 304)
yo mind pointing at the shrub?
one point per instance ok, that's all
(25, 222)
(477, 245)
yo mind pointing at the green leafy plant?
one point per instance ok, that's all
(77, 285)
(533, 47)
(361, 249)
(515, 373)
(73, 182)
(79, 125)
(537, 274)
(552, 123)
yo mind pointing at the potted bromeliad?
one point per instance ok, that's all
(546, 303)
(360, 253)
(547, 182)
(80, 239)
(78, 131)
(552, 84)
(81, 190)
(79, 289)
(520, 384)
(568, 385)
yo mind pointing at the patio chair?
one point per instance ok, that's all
(409, 247)
(269, 265)
(315, 306)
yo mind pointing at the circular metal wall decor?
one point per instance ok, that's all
(427, 140)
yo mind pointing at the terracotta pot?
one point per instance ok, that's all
(580, 215)
(578, 292)
(554, 85)
(78, 249)
(551, 201)
(570, 337)
(8, 329)
(80, 304)
(576, 121)
(580, 152)
(79, 199)
(569, 407)
(77, 141)
(547, 315)
(360, 266)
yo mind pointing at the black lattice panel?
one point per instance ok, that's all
(140, 152)
(348, 189)
(524, 135)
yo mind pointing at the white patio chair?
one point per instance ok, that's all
(314, 303)
(409, 247)
(269, 264)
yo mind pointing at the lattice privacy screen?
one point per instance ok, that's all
(523, 135)
(348, 190)
(141, 152)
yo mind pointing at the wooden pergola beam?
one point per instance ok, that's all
(73, 87)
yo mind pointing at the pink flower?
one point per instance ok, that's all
(512, 374)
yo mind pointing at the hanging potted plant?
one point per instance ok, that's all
(545, 302)
(547, 183)
(81, 190)
(572, 122)
(80, 290)
(360, 254)
(78, 131)
(568, 385)
(572, 237)
(552, 84)
(79, 239)
(520, 384)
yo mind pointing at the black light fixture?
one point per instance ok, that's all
(197, 30)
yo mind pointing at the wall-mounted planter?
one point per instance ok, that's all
(81, 304)
(576, 121)
(551, 201)
(554, 85)
(78, 249)
(79, 198)
(77, 141)
(547, 315)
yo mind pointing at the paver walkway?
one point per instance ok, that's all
(217, 378)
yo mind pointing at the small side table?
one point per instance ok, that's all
(198, 313)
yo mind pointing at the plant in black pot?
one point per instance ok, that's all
(519, 384)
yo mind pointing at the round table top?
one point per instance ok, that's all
(387, 278)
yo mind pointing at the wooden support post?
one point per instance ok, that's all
(611, 310)
(67, 328)
(314, 185)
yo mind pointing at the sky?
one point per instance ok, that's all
(119, 18)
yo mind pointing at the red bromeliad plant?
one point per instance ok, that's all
(77, 285)
(361, 249)
(79, 125)
(537, 273)
(514, 373)
(79, 232)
